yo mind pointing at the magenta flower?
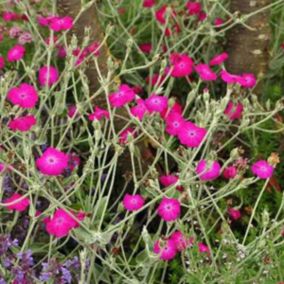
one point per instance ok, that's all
(165, 249)
(230, 172)
(58, 24)
(168, 180)
(156, 103)
(191, 135)
(194, 8)
(202, 248)
(52, 162)
(208, 170)
(160, 14)
(219, 59)
(262, 169)
(148, 3)
(234, 111)
(179, 240)
(247, 80)
(169, 209)
(16, 53)
(2, 62)
(145, 47)
(20, 205)
(181, 65)
(61, 51)
(229, 78)
(24, 96)
(218, 22)
(23, 123)
(123, 136)
(133, 202)
(9, 16)
(202, 16)
(94, 48)
(99, 114)
(234, 213)
(139, 110)
(123, 96)
(61, 223)
(48, 76)
(205, 73)
(176, 108)
(72, 110)
(174, 123)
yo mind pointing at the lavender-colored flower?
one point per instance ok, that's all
(66, 275)
(2, 281)
(7, 185)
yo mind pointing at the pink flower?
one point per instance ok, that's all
(123, 96)
(181, 65)
(203, 248)
(24, 96)
(25, 38)
(168, 180)
(229, 78)
(262, 169)
(52, 162)
(194, 8)
(20, 203)
(98, 114)
(2, 167)
(165, 249)
(23, 123)
(2, 62)
(48, 76)
(145, 47)
(61, 223)
(174, 123)
(123, 136)
(208, 170)
(14, 32)
(148, 3)
(58, 24)
(205, 73)
(219, 59)
(230, 172)
(234, 111)
(234, 213)
(247, 80)
(179, 240)
(16, 53)
(156, 103)
(191, 135)
(133, 202)
(169, 209)
(139, 110)
(218, 22)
